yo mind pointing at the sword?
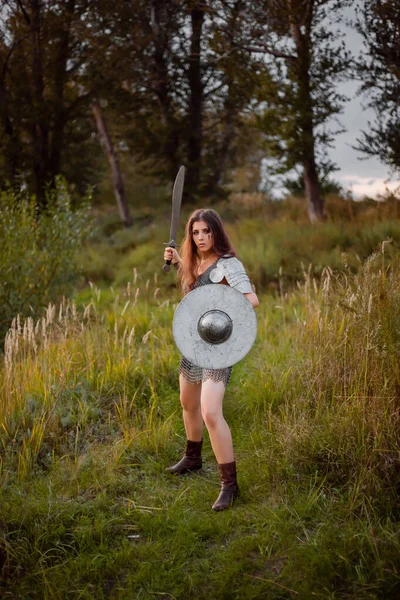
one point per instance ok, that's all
(176, 209)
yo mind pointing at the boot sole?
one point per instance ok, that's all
(226, 506)
(184, 471)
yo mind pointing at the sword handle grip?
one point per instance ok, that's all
(167, 266)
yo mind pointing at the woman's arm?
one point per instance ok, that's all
(232, 272)
(253, 299)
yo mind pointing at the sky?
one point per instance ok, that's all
(362, 177)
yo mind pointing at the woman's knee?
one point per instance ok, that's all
(190, 402)
(211, 417)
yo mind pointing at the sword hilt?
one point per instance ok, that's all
(171, 244)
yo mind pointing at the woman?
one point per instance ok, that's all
(208, 257)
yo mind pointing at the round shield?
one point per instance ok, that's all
(214, 326)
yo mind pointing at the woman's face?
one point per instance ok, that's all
(202, 236)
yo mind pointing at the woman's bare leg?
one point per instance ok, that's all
(192, 419)
(212, 395)
(190, 401)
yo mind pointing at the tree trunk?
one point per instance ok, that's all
(39, 126)
(230, 112)
(57, 133)
(216, 176)
(7, 125)
(161, 86)
(8, 139)
(195, 104)
(315, 202)
(118, 182)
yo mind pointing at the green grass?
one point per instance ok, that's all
(90, 417)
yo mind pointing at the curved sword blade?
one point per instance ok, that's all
(176, 209)
(176, 203)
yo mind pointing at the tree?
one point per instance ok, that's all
(43, 53)
(182, 91)
(303, 61)
(378, 21)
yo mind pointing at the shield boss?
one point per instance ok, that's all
(214, 326)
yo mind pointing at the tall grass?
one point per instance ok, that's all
(74, 368)
(339, 415)
(90, 416)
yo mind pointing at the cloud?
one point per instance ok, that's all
(365, 186)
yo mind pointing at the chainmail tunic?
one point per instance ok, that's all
(192, 373)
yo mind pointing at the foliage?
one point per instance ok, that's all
(45, 126)
(379, 24)
(38, 259)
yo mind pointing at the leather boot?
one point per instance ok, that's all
(229, 487)
(191, 461)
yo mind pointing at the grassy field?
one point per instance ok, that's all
(90, 417)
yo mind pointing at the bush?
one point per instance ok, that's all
(38, 251)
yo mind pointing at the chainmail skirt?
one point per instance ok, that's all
(194, 374)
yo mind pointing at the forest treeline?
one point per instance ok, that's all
(211, 85)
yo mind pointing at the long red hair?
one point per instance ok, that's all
(189, 253)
